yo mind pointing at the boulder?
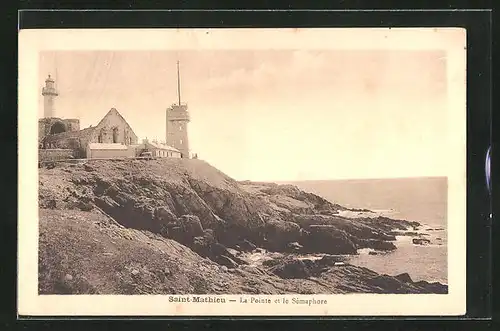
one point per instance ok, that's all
(280, 233)
(164, 215)
(205, 246)
(191, 226)
(201, 246)
(184, 230)
(217, 249)
(226, 261)
(330, 260)
(376, 244)
(247, 246)
(328, 239)
(209, 236)
(291, 269)
(421, 241)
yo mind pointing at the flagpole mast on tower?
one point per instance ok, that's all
(178, 83)
(55, 69)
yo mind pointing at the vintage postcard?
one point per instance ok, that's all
(238, 172)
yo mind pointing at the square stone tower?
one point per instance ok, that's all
(177, 128)
(177, 123)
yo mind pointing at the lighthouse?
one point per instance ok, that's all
(49, 93)
(177, 123)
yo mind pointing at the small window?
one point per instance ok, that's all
(181, 142)
(180, 127)
(115, 135)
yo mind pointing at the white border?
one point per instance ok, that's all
(31, 42)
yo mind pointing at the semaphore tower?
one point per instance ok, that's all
(177, 123)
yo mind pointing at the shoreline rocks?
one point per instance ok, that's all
(378, 245)
(328, 239)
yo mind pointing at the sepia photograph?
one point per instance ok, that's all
(219, 172)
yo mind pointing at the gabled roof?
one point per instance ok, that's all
(113, 110)
(162, 146)
(107, 146)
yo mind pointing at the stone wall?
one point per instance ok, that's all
(72, 124)
(110, 153)
(68, 140)
(54, 154)
(45, 125)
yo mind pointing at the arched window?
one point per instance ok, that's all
(115, 135)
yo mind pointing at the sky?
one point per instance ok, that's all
(274, 115)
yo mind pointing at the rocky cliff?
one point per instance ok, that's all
(182, 226)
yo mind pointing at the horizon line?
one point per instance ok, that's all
(343, 179)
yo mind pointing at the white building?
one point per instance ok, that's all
(109, 151)
(158, 149)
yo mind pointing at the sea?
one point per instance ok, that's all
(422, 199)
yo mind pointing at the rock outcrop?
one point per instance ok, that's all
(206, 213)
(181, 198)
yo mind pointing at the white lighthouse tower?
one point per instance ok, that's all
(49, 93)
